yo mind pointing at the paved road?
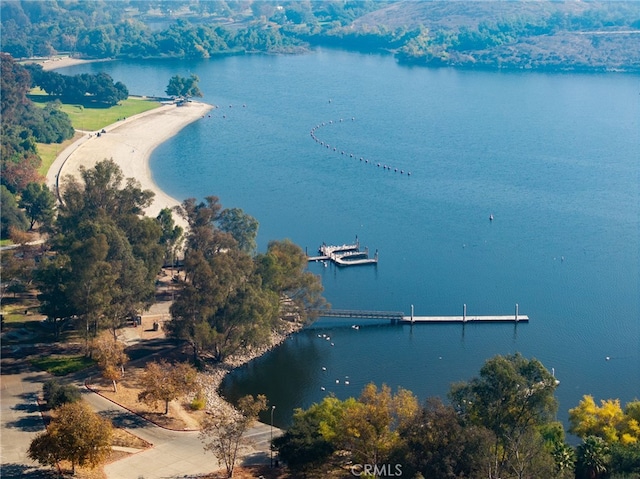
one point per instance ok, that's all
(20, 422)
(174, 453)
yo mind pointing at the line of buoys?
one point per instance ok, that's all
(342, 152)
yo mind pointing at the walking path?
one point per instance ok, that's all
(173, 454)
(20, 421)
(129, 143)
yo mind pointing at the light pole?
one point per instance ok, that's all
(273, 408)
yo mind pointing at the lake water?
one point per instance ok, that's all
(555, 158)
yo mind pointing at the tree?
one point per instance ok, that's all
(607, 421)
(102, 192)
(38, 202)
(221, 306)
(222, 431)
(511, 398)
(625, 460)
(110, 356)
(52, 278)
(241, 226)
(369, 427)
(91, 282)
(593, 458)
(110, 254)
(14, 84)
(12, 216)
(564, 457)
(183, 87)
(56, 394)
(283, 271)
(162, 381)
(303, 447)
(171, 235)
(436, 443)
(75, 434)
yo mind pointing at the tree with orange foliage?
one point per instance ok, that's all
(111, 358)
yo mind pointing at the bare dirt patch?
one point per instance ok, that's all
(180, 416)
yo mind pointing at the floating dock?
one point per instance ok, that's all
(344, 255)
(466, 319)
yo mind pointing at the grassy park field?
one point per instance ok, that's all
(87, 117)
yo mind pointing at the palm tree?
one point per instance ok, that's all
(593, 458)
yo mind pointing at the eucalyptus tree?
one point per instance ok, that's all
(221, 306)
(283, 269)
(108, 253)
(437, 443)
(512, 397)
(241, 226)
(171, 237)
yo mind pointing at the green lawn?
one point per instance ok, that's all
(61, 365)
(87, 117)
(91, 117)
(49, 152)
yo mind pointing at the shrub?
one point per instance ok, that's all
(56, 394)
(198, 403)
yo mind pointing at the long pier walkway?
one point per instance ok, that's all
(401, 318)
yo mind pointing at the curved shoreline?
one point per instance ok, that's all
(129, 143)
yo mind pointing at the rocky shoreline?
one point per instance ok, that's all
(211, 379)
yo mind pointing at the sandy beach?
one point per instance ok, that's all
(129, 143)
(61, 62)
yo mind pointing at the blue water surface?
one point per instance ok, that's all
(555, 158)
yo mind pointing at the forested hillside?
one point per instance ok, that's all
(586, 36)
(538, 34)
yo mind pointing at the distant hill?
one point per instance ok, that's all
(542, 35)
(453, 15)
(569, 35)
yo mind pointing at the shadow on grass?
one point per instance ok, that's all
(84, 103)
